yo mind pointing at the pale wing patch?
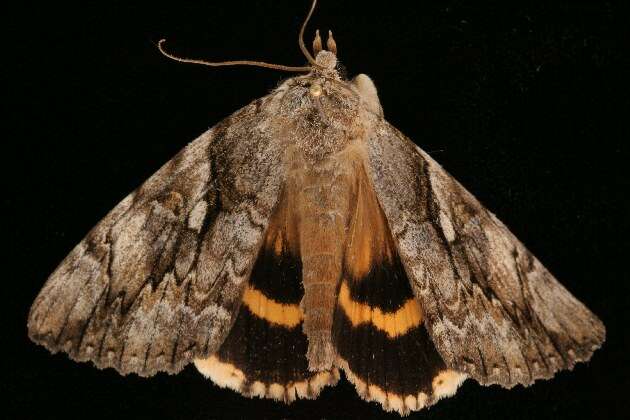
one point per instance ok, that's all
(446, 383)
(226, 375)
(268, 309)
(223, 374)
(197, 216)
(389, 401)
(393, 323)
(447, 227)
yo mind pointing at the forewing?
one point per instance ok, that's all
(159, 280)
(492, 310)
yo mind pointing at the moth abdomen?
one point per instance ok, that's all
(322, 195)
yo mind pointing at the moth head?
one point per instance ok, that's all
(327, 69)
(326, 61)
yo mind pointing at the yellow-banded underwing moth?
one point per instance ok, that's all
(304, 236)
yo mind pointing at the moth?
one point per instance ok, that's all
(303, 236)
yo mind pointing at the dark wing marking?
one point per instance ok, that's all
(492, 310)
(264, 355)
(159, 280)
(378, 331)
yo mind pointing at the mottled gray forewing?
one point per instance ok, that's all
(158, 281)
(492, 310)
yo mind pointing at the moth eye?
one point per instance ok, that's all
(315, 90)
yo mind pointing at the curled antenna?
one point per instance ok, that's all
(229, 63)
(308, 56)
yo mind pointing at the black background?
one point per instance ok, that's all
(526, 103)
